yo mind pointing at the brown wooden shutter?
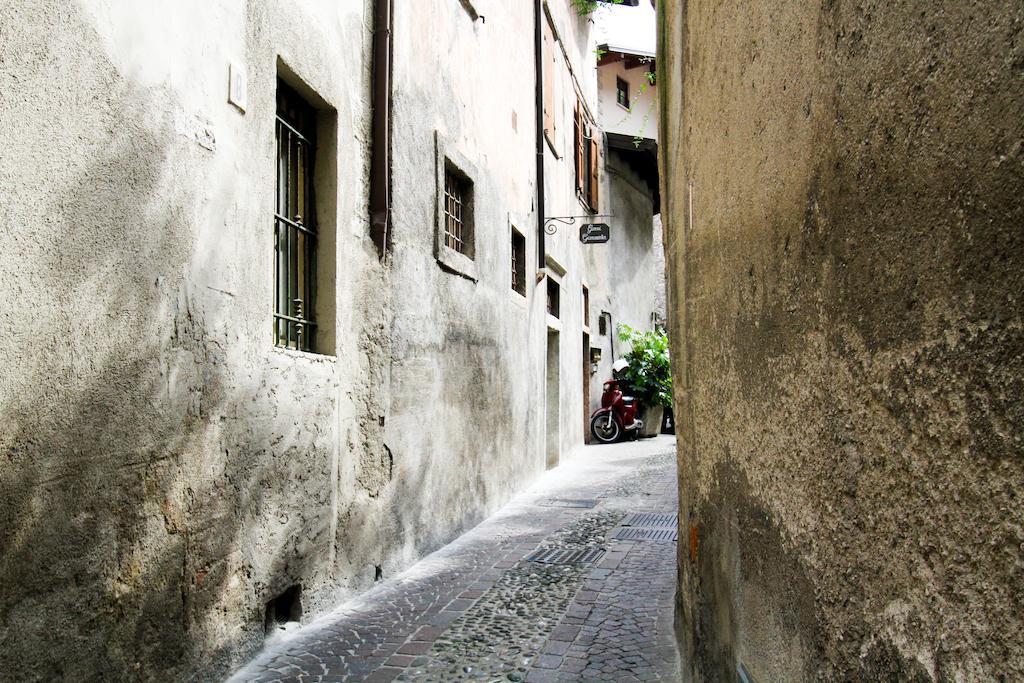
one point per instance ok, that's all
(594, 176)
(549, 84)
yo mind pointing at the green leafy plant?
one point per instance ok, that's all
(649, 372)
(586, 7)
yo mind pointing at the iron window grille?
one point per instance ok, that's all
(518, 262)
(295, 235)
(455, 200)
(554, 296)
(622, 92)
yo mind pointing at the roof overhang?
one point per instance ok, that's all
(641, 154)
(631, 57)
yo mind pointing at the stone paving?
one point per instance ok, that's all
(480, 610)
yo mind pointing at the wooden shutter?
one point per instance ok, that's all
(595, 154)
(549, 83)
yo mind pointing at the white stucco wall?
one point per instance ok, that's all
(641, 119)
(167, 470)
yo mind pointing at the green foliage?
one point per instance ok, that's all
(649, 372)
(586, 7)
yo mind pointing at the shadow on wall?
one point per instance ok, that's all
(129, 490)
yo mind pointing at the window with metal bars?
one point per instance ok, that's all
(458, 211)
(295, 234)
(454, 203)
(518, 262)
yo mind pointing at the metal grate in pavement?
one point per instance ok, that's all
(641, 534)
(568, 502)
(651, 519)
(565, 555)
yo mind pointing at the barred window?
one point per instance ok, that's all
(295, 234)
(456, 215)
(454, 208)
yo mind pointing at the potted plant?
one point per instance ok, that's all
(649, 374)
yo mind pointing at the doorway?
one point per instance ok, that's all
(553, 400)
(586, 388)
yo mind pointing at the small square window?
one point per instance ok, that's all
(455, 225)
(457, 218)
(622, 92)
(554, 297)
(518, 262)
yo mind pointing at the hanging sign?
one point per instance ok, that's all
(595, 233)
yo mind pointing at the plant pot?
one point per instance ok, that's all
(651, 415)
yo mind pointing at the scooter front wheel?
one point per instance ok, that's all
(605, 428)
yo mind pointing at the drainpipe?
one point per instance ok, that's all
(380, 150)
(538, 48)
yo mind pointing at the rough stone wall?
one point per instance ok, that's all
(843, 185)
(660, 293)
(166, 471)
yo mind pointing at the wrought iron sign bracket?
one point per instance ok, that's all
(549, 222)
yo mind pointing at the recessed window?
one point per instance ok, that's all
(554, 297)
(518, 261)
(304, 234)
(295, 228)
(586, 307)
(458, 218)
(622, 92)
(454, 200)
(602, 324)
(454, 226)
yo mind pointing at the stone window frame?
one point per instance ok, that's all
(448, 159)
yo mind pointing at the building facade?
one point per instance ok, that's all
(227, 401)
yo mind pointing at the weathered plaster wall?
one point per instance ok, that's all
(843, 184)
(465, 420)
(165, 470)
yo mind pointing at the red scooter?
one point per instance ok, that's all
(616, 416)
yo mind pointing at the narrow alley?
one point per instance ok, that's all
(572, 580)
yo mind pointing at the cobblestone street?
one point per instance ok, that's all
(572, 581)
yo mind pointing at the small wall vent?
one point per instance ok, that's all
(285, 608)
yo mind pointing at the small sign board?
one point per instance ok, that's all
(595, 233)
